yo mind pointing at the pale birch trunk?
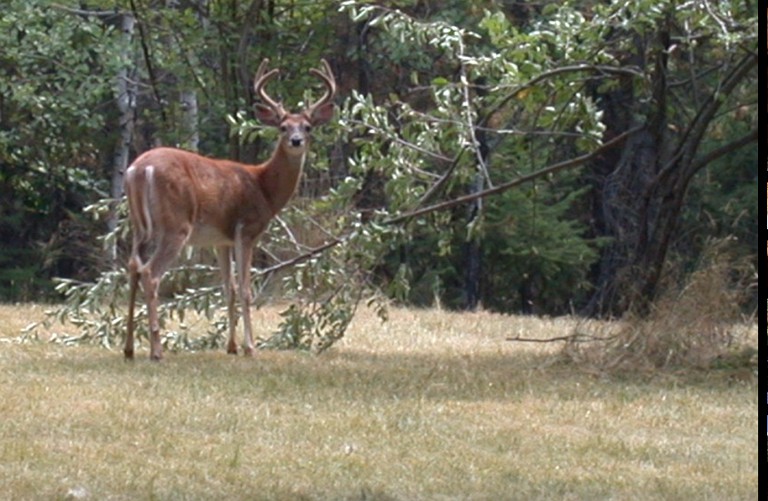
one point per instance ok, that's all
(125, 97)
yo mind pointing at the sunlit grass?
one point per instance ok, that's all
(431, 405)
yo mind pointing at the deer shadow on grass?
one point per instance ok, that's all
(364, 375)
(504, 376)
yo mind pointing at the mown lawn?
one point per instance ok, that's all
(431, 405)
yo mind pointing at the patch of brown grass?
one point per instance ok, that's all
(431, 405)
(696, 326)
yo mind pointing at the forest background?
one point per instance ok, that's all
(467, 166)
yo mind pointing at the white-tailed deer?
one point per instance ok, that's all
(179, 198)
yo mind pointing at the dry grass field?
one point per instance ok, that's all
(431, 405)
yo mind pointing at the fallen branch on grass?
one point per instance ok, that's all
(576, 338)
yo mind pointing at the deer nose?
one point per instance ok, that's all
(296, 141)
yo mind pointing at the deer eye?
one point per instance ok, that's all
(307, 128)
(283, 128)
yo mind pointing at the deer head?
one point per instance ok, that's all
(294, 127)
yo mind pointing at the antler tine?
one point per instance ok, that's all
(262, 68)
(326, 75)
(260, 80)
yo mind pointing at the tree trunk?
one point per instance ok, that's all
(473, 250)
(190, 134)
(125, 96)
(639, 190)
(618, 208)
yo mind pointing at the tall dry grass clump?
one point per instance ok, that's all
(694, 325)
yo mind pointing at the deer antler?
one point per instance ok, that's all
(260, 80)
(326, 75)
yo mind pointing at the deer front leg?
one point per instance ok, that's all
(243, 253)
(225, 265)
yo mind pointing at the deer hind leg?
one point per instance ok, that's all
(133, 279)
(167, 249)
(225, 265)
(135, 263)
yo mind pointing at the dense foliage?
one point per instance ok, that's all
(439, 100)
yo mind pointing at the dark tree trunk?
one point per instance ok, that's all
(473, 249)
(473, 252)
(639, 188)
(620, 209)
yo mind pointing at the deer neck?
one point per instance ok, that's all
(280, 176)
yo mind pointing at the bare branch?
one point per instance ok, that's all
(147, 53)
(457, 201)
(301, 258)
(403, 142)
(724, 150)
(693, 134)
(440, 182)
(599, 69)
(523, 179)
(101, 14)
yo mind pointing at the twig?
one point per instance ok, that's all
(101, 14)
(298, 259)
(397, 139)
(440, 182)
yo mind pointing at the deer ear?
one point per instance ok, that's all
(267, 115)
(322, 114)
